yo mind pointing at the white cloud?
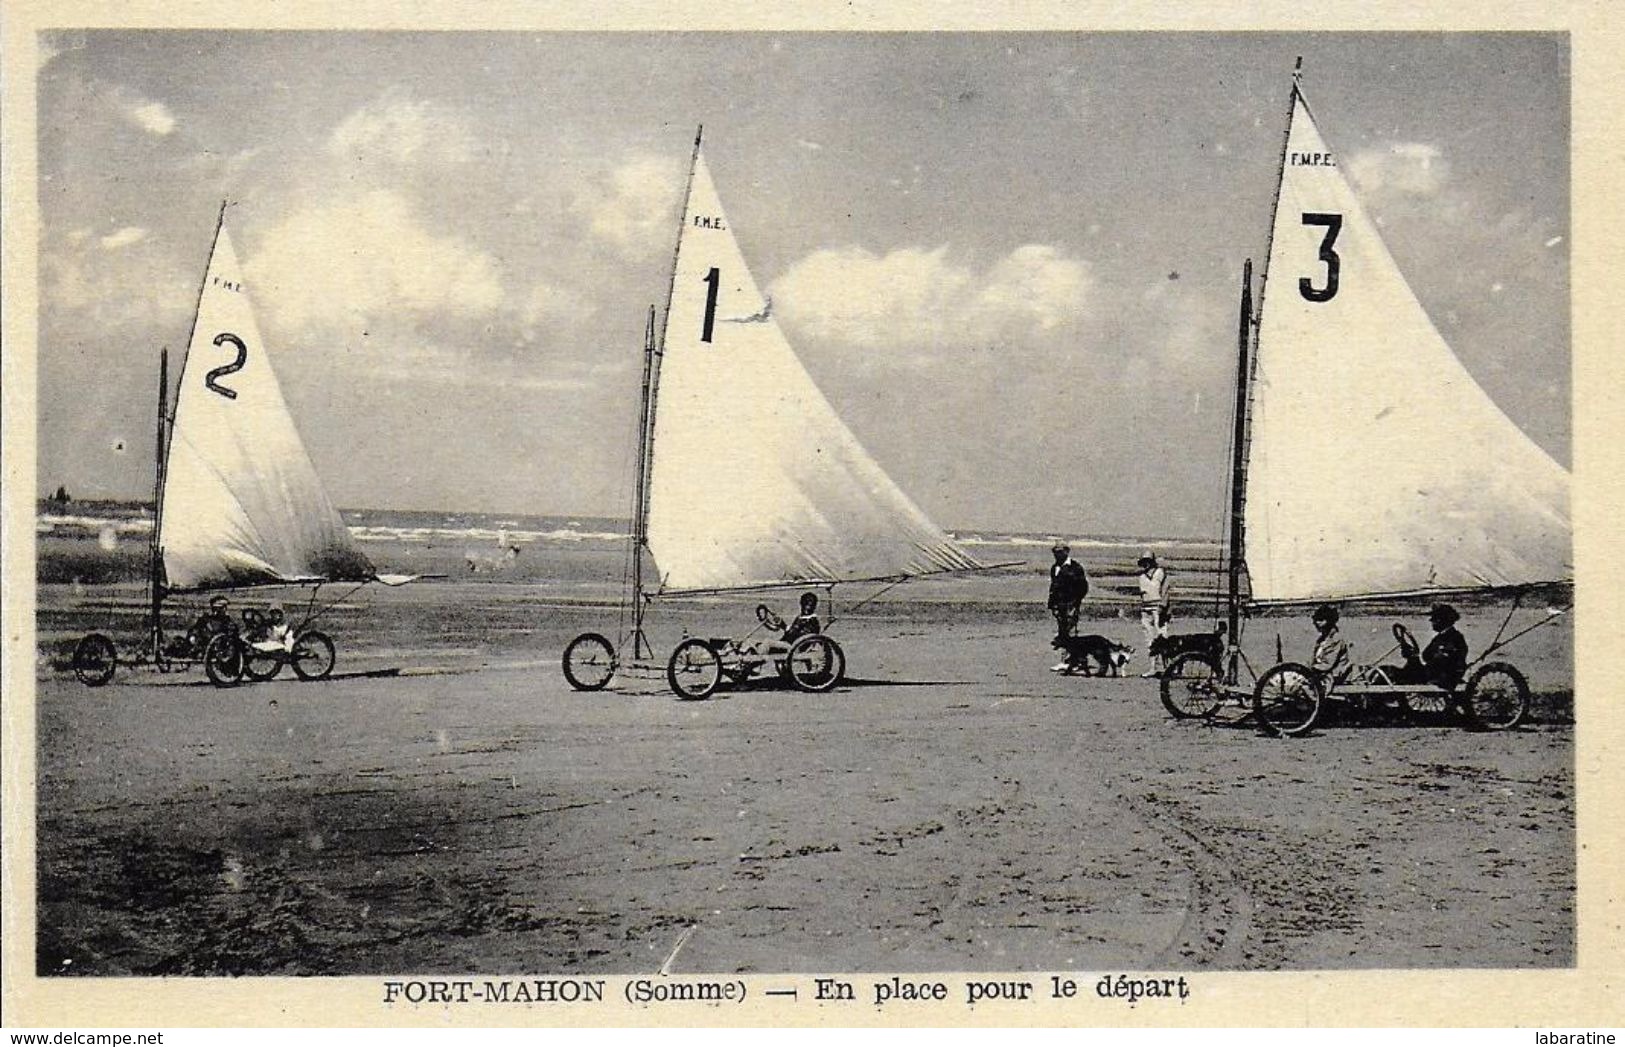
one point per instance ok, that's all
(154, 117)
(912, 297)
(370, 257)
(638, 203)
(399, 130)
(1400, 169)
(130, 234)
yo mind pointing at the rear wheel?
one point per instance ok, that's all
(694, 670)
(223, 661)
(1190, 687)
(94, 659)
(313, 656)
(1496, 698)
(589, 662)
(815, 663)
(1287, 700)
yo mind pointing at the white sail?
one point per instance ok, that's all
(241, 504)
(753, 478)
(1377, 464)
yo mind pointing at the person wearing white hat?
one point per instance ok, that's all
(1154, 606)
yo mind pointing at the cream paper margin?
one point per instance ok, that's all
(1591, 994)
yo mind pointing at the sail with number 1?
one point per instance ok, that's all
(753, 478)
(1376, 464)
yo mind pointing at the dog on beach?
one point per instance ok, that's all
(1208, 645)
(1092, 655)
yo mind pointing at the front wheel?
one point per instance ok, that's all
(1190, 687)
(94, 659)
(815, 663)
(1496, 698)
(313, 656)
(589, 662)
(261, 665)
(223, 661)
(1287, 700)
(694, 670)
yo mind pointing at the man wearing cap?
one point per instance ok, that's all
(1068, 585)
(211, 623)
(1331, 657)
(1154, 605)
(1443, 662)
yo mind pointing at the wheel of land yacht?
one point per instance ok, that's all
(313, 656)
(94, 659)
(589, 662)
(1430, 702)
(223, 661)
(1496, 698)
(1190, 687)
(261, 666)
(815, 663)
(695, 670)
(1287, 700)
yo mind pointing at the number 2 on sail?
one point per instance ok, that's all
(712, 279)
(1334, 225)
(225, 369)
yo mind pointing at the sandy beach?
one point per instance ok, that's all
(445, 803)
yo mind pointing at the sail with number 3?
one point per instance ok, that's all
(240, 503)
(1376, 464)
(753, 479)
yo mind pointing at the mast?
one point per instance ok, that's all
(640, 514)
(653, 351)
(155, 568)
(1238, 455)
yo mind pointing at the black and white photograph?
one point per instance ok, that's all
(646, 518)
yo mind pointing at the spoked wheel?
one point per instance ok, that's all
(1430, 702)
(261, 665)
(589, 662)
(223, 661)
(815, 663)
(1287, 700)
(1496, 698)
(1190, 687)
(694, 670)
(313, 656)
(94, 659)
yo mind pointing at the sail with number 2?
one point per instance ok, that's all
(754, 480)
(240, 503)
(1376, 464)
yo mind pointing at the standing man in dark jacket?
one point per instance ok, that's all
(1068, 585)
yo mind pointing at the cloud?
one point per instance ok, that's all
(912, 296)
(154, 117)
(1400, 169)
(636, 203)
(395, 129)
(351, 262)
(130, 234)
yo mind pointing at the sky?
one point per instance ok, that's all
(1011, 261)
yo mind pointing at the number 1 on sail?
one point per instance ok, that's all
(711, 281)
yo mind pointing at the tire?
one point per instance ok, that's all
(1496, 698)
(815, 663)
(94, 659)
(1426, 703)
(1287, 700)
(223, 661)
(1190, 687)
(589, 662)
(694, 670)
(313, 656)
(261, 666)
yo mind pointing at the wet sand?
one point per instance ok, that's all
(450, 805)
